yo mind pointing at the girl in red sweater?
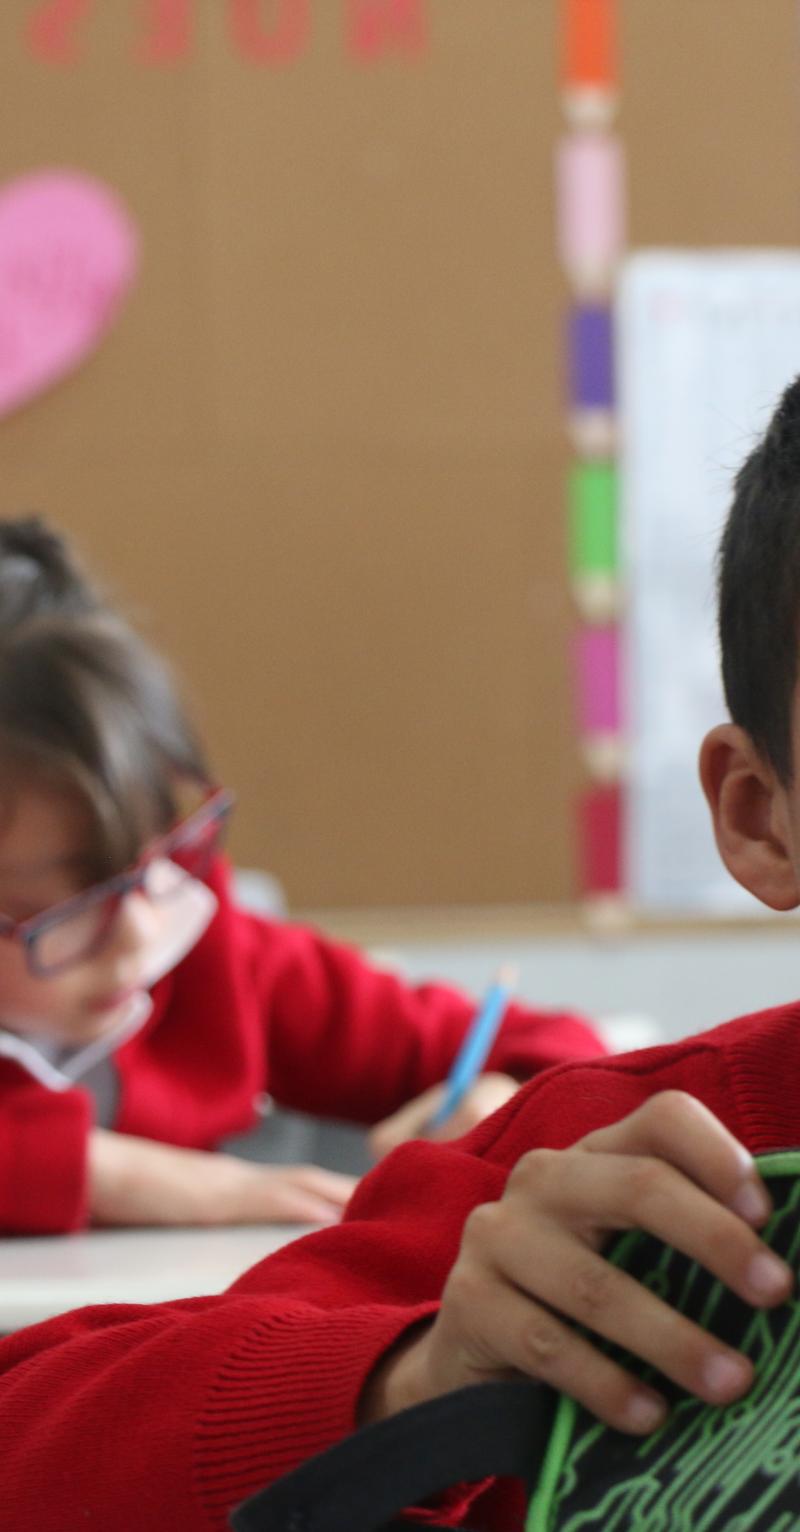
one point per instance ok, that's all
(143, 1016)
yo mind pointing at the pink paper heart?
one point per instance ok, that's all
(69, 255)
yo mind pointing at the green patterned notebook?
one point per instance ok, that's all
(732, 1469)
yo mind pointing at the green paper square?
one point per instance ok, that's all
(593, 519)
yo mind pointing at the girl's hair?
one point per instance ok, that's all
(85, 703)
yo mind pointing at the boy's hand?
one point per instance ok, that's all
(531, 1263)
(136, 1181)
(489, 1092)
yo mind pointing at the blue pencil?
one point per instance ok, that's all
(476, 1046)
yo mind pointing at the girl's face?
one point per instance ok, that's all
(43, 839)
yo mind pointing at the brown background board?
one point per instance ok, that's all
(322, 453)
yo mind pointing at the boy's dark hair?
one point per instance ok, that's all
(759, 588)
(84, 702)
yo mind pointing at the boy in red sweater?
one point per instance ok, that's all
(473, 1260)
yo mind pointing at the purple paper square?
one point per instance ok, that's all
(591, 358)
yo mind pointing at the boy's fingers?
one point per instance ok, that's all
(599, 1193)
(588, 1290)
(530, 1265)
(675, 1127)
(523, 1338)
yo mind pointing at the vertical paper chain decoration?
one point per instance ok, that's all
(591, 208)
(590, 199)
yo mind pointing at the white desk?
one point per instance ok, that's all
(42, 1277)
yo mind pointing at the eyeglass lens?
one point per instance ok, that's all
(184, 854)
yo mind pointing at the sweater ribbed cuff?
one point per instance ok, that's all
(46, 1189)
(290, 1390)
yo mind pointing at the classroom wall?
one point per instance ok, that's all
(321, 453)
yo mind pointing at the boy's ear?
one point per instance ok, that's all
(750, 810)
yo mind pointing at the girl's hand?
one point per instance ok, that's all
(489, 1092)
(136, 1181)
(530, 1267)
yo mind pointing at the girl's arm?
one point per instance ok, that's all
(59, 1173)
(43, 1143)
(348, 1039)
(134, 1181)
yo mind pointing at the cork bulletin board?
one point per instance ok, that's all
(320, 452)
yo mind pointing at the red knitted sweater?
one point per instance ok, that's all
(164, 1417)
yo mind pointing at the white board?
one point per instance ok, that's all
(707, 341)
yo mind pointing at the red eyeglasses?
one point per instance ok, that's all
(76, 928)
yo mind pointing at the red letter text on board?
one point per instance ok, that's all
(281, 43)
(52, 30)
(375, 27)
(169, 37)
